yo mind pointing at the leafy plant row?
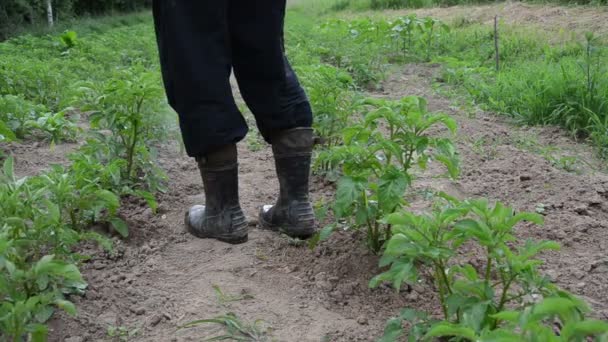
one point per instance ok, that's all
(539, 83)
(43, 218)
(370, 150)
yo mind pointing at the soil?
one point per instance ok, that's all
(161, 277)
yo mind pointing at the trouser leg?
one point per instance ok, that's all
(267, 82)
(194, 45)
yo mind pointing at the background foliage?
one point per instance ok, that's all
(16, 15)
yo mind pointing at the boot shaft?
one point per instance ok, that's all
(292, 151)
(219, 171)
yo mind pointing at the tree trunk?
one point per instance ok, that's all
(49, 12)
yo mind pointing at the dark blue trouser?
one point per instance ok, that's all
(200, 41)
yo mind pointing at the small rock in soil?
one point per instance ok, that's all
(362, 320)
(74, 339)
(525, 178)
(155, 320)
(138, 310)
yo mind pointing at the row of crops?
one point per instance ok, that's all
(110, 81)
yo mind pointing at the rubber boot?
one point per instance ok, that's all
(293, 213)
(221, 217)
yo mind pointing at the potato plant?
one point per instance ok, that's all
(36, 261)
(377, 160)
(479, 301)
(127, 107)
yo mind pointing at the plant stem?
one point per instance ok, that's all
(441, 289)
(488, 267)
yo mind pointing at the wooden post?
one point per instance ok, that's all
(497, 52)
(49, 12)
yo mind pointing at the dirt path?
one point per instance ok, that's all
(162, 278)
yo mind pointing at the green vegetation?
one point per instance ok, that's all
(503, 297)
(50, 86)
(99, 83)
(330, 6)
(26, 15)
(376, 165)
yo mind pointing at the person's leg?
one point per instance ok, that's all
(267, 82)
(283, 115)
(194, 45)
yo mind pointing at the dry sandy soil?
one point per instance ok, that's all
(161, 278)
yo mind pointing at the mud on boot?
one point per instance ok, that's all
(293, 213)
(221, 217)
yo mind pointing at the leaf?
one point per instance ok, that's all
(584, 329)
(530, 217)
(44, 314)
(120, 226)
(66, 306)
(38, 332)
(500, 335)
(322, 235)
(391, 190)
(149, 198)
(392, 331)
(9, 168)
(402, 270)
(553, 306)
(475, 316)
(108, 198)
(508, 316)
(346, 194)
(6, 133)
(444, 329)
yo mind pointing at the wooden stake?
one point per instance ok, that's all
(497, 53)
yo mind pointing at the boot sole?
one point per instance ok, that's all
(275, 228)
(231, 239)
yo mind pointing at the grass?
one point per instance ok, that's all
(83, 25)
(541, 81)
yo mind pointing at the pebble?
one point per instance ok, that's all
(138, 310)
(362, 320)
(525, 178)
(74, 339)
(412, 296)
(155, 320)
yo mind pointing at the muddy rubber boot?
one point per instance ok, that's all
(293, 213)
(221, 217)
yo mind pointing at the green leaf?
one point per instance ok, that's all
(39, 332)
(346, 194)
(44, 314)
(322, 235)
(508, 316)
(444, 329)
(120, 226)
(584, 328)
(392, 331)
(6, 133)
(553, 306)
(391, 190)
(530, 217)
(9, 168)
(500, 335)
(149, 198)
(66, 306)
(108, 198)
